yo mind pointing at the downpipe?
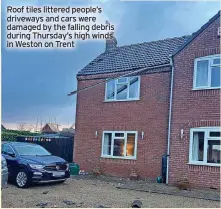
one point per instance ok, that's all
(170, 113)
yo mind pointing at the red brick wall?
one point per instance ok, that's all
(149, 114)
(193, 108)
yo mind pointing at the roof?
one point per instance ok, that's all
(57, 135)
(135, 56)
(194, 35)
(18, 143)
(3, 127)
(53, 127)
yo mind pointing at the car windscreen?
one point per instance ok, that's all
(31, 150)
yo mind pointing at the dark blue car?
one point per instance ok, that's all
(31, 163)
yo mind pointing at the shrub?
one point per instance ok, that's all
(11, 135)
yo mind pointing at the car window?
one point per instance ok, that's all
(7, 149)
(31, 150)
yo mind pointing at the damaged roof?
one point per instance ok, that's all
(135, 56)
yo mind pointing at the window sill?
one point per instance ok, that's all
(206, 88)
(204, 164)
(127, 100)
(120, 158)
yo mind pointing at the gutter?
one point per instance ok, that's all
(170, 113)
(123, 75)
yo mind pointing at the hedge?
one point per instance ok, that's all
(11, 135)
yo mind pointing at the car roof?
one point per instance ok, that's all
(20, 143)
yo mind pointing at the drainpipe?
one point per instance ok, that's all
(170, 113)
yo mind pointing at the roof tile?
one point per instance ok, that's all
(135, 56)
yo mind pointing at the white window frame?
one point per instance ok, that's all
(210, 59)
(112, 144)
(206, 131)
(116, 81)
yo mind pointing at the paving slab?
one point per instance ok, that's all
(171, 190)
(149, 185)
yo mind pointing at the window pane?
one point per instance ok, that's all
(130, 144)
(213, 151)
(34, 150)
(133, 89)
(215, 77)
(214, 134)
(122, 80)
(198, 146)
(119, 134)
(107, 144)
(202, 73)
(110, 89)
(118, 147)
(7, 149)
(216, 61)
(122, 91)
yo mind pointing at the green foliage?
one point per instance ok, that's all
(10, 135)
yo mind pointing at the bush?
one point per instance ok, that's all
(8, 136)
(11, 135)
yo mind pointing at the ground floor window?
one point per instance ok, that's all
(205, 146)
(119, 144)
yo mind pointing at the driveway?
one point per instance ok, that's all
(93, 193)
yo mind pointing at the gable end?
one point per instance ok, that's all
(196, 34)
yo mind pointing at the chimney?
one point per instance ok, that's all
(110, 43)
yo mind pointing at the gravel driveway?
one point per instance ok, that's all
(90, 193)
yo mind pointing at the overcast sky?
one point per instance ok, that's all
(35, 84)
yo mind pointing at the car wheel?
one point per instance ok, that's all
(22, 180)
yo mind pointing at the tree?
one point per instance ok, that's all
(24, 127)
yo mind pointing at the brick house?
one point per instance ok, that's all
(118, 113)
(195, 121)
(124, 114)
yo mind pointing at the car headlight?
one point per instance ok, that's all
(33, 166)
(4, 164)
(67, 165)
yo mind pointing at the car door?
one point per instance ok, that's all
(9, 154)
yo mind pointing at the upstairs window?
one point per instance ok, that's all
(207, 72)
(121, 89)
